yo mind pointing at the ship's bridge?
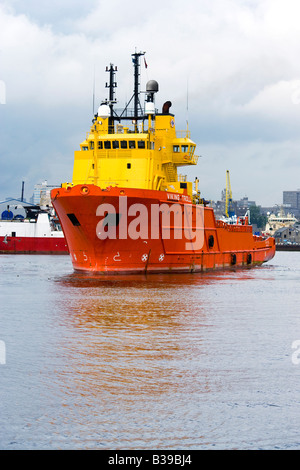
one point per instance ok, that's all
(118, 142)
(148, 159)
(140, 150)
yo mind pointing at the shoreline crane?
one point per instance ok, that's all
(229, 210)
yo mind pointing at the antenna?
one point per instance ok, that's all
(22, 192)
(187, 104)
(94, 94)
(187, 95)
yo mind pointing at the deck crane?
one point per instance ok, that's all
(229, 210)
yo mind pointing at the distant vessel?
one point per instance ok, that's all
(278, 221)
(37, 232)
(127, 209)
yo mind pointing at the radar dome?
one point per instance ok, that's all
(152, 86)
(104, 111)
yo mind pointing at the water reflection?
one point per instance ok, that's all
(138, 335)
(133, 335)
(162, 361)
(84, 280)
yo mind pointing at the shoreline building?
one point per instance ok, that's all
(41, 194)
(291, 201)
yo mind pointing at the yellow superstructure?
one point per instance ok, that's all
(145, 156)
(147, 160)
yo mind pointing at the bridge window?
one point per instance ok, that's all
(85, 147)
(122, 144)
(176, 148)
(184, 148)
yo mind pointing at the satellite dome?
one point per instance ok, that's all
(152, 86)
(104, 111)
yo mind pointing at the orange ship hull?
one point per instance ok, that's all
(220, 245)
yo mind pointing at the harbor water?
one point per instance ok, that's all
(193, 361)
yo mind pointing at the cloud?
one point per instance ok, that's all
(233, 63)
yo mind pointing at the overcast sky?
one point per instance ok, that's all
(230, 67)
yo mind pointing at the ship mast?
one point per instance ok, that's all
(136, 93)
(137, 110)
(111, 85)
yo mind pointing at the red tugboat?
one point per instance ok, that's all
(128, 210)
